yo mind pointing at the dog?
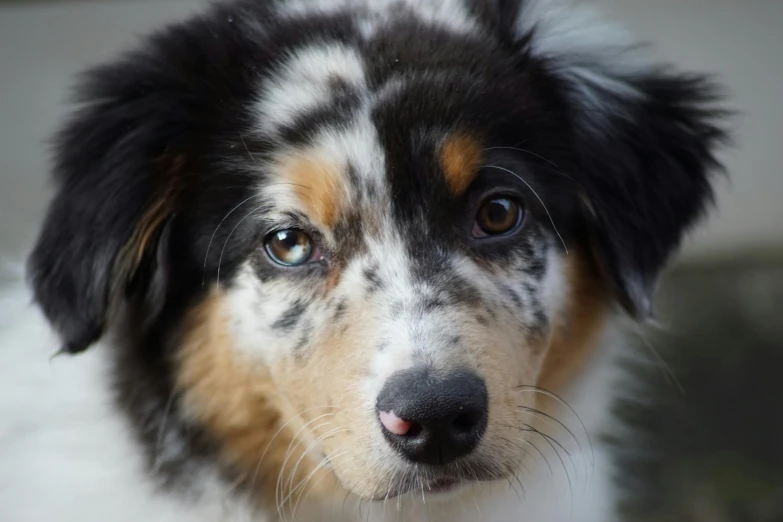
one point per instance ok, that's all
(347, 260)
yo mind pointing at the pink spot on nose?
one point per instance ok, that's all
(395, 424)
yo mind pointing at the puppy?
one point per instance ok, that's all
(347, 260)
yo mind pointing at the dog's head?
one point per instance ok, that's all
(342, 238)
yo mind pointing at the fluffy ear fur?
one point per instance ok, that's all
(645, 170)
(143, 177)
(114, 192)
(643, 136)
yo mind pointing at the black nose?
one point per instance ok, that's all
(433, 420)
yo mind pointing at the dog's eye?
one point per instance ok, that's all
(497, 216)
(291, 247)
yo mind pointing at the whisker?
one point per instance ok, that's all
(461, 477)
(519, 481)
(526, 152)
(548, 465)
(513, 488)
(667, 370)
(222, 250)
(212, 237)
(388, 490)
(312, 445)
(361, 500)
(554, 440)
(209, 245)
(303, 483)
(349, 491)
(554, 424)
(539, 199)
(162, 430)
(307, 494)
(555, 169)
(549, 441)
(309, 448)
(421, 483)
(552, 395)
(404, 480)
(280, 430)
(473, 494)
(291, 447)
(252, 158)
(518, 447)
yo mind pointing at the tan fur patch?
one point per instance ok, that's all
(460, 157)
(318, 184)
(577, 334)
(171, 171)
(236, 401)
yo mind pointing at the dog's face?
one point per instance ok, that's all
(348, 242)
(406, 279)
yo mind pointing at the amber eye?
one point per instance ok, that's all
(290, 247)
(497, 216)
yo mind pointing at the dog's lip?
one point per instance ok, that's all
(442, 485)
(439, 485)
(440, 481)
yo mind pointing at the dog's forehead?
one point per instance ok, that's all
(344, 149)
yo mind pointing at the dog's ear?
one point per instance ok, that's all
(645, 168)
(115, 188)
(644, 139)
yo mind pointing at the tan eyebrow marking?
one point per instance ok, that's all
(317, 182)
(460, 157)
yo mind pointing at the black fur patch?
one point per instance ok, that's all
(336, 114)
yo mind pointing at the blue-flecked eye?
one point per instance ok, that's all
(290, 247)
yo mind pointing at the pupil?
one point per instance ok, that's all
(287, 239)
(498, 211)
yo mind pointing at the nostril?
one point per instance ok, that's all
(414, 431)
(464, 423)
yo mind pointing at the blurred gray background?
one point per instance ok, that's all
(713, 421)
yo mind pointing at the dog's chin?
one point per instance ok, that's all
(443, 487)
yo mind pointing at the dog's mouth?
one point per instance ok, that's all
(424, 487)
(443, 485)
(431, 482)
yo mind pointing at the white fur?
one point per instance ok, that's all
(302, 83)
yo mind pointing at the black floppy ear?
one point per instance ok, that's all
(645, 165)
(113, 195)
(643, 138)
